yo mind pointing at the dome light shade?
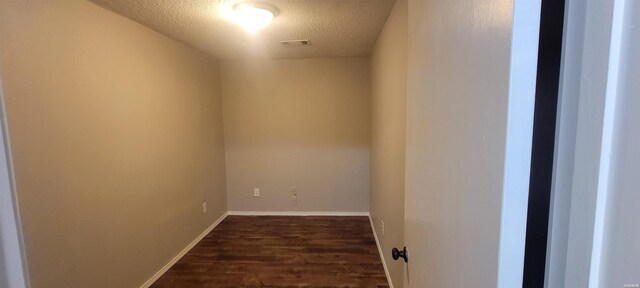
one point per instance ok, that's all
(253, 15)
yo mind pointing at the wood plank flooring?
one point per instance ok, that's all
(282, 251)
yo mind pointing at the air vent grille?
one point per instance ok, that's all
(295, 43)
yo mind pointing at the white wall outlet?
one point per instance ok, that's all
(294, 201)
(294, 191)
(256, 192)
(204, 208)
(382, 226)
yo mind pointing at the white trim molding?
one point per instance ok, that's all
(592, 59)
(384, 263)
(518, 142)
(296, 213)
(184, 251)
(14, 270)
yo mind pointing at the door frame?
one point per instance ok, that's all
(13, 268)
(591, 57)
(519, 134)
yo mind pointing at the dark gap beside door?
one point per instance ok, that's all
(544, 127)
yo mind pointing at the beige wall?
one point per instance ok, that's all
(117, 140)
(297, 123)
(388, 117)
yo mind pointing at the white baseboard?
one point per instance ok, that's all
(296, 213)
(384, 263)
(184, 251)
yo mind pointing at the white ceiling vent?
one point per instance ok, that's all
(295, 43)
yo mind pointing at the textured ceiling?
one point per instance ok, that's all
(335, 28)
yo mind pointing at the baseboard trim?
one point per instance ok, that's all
(184, 251)
(384, 263)
(296, 213)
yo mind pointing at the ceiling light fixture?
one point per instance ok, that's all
(254, 15)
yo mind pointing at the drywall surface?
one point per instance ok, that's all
(459, 109)
(297, 123)
(388, 117)
(117, 141)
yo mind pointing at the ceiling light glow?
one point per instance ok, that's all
(253, 15)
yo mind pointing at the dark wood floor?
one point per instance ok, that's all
(278, 251)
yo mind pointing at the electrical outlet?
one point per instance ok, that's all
(382, 226)
(256, 192)
(204, 208)
(294, 196)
